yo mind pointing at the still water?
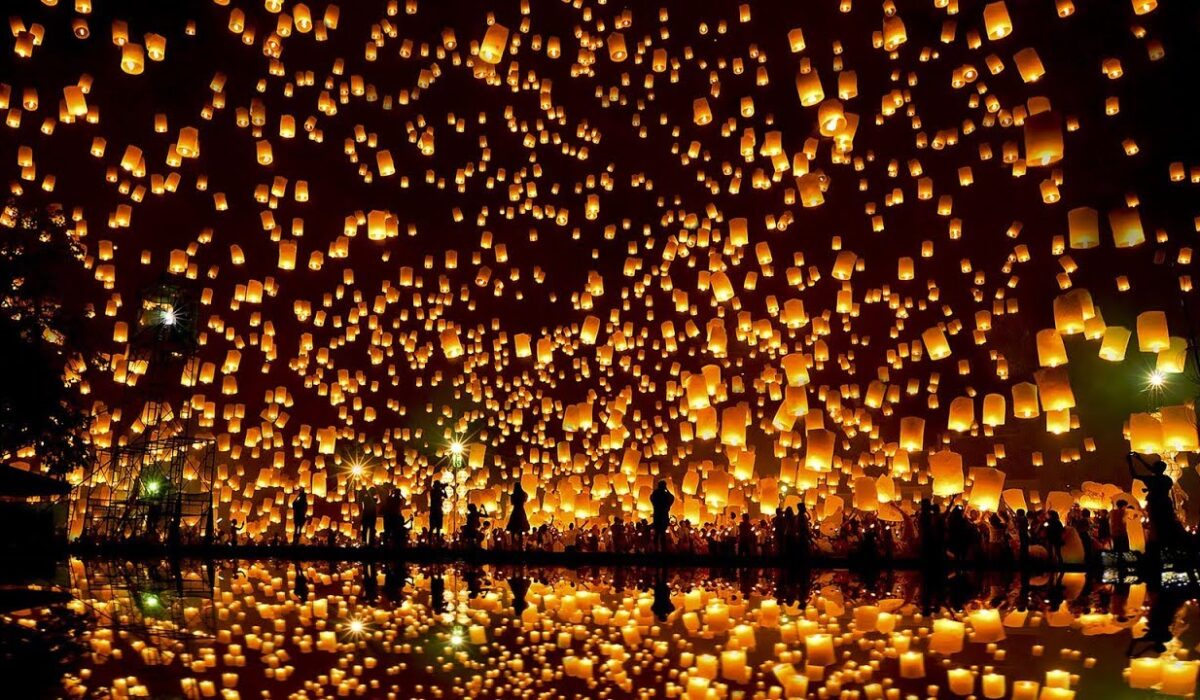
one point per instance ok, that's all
(269, 629)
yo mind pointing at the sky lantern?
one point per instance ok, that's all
(495, 43)
(946, 468)
(133, 59)
(1043, 139)
(996, 21)
(1126, 228)
(1152, 332)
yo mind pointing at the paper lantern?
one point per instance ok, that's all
(1179, 678)
(808, 87)
(912, 664)
(1153, 335)
(1179, 428)
(1126, 228)
(866, 497)
(994, 409)
(1173, 358)
(1114, 343)
(1145, 672)
(1029, 65)
(701, 113)
(1083, 225)
(1054, 387)
(133, 58)
(819, 453)
(1050, 348)
(912, 433)
(894, 33)
(819, 649)
(1145, 433)
(962, 414)
(1043, 139)
(76, 103)
(946, 468)
(996, 21)
(986, 488)
(935, 343)
(947, 637)
(831, 118)
(796, 369)
(495, 42)
(616, 47)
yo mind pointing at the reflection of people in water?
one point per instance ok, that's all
(662, 606)
(437, 593)
(1164, 609)
(1165, 530)
(519, 585)
(301, 586)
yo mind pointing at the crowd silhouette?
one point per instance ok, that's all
(945, 531)
(937, 533)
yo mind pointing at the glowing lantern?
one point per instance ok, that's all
(994, 409)
(1083, 224)
(1126, 228)
(866, 497)
(188, 143)
(1029, 65)
(74, 98)
(946, 468)
(701, 113)
(1145, 433)
(495, 42)
(986, 488)
(1179, 428)
(1043, 139)
(1172, 359)
(819, 454)
(912, 433)
(947, 637)
(1054, 387)
(808, 87)
(831, 117)
(1050, 348)
(1152, 332)
(962, 414)
(1114, 343)
(133, 58)
(996, 20)
(616, 47)
(936, 343)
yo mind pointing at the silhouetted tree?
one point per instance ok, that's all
(42, 338)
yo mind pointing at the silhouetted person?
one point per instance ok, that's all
(301, 586)
(473, 529)
(1165, 530)
(662, 606)
(746, 536)
(369, 514)
(803, 534)
(437, 504)
(299, 515)
(437, 593)
(1054, 538)
(957, 535)
(518, 521)
(661, 500)
(930, 532)
(519, 586)
(618, 535)
(781, 529)
(1021, 522)
(1118, 527)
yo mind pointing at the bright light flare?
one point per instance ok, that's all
(1156, 380)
